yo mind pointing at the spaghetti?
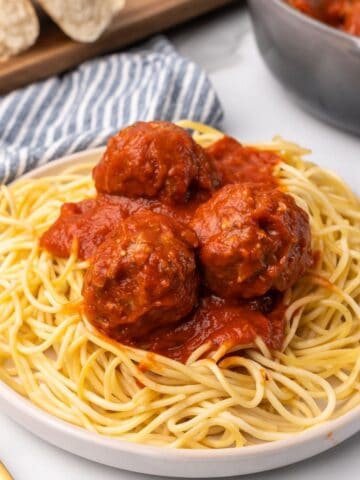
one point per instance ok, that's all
(50, 354)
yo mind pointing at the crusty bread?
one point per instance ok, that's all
(82, 20)
(19, 27)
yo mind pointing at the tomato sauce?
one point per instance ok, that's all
(341, 14)
(214, 320)
(237, 164)
(219, 322)
(90, 221)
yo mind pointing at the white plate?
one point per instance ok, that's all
(166, 461)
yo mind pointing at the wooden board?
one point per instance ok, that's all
(54, 52)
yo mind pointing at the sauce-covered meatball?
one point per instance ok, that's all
(253, 238)
(154, 160)
(141, 277)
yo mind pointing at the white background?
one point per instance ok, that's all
(256, 108)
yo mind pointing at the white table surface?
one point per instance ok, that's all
(256, 107)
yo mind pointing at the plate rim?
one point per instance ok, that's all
(328, 429)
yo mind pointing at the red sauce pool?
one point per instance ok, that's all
(237, 164)
(219, 322)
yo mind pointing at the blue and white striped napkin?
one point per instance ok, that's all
(81, 109)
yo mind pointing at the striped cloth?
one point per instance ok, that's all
(81, 109)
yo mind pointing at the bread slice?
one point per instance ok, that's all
(82, 20)
(19, 27)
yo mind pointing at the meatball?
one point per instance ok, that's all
(154, 160)
(141, 277)
(253, 238)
